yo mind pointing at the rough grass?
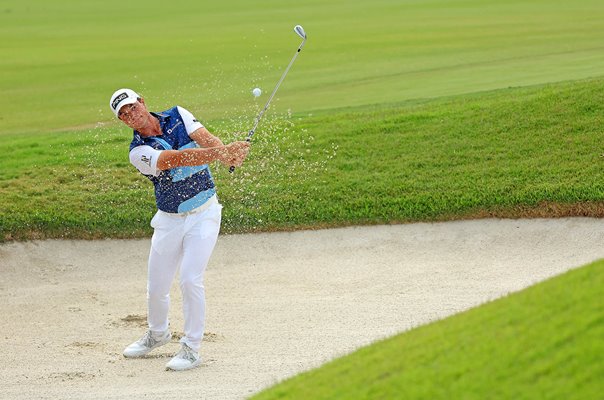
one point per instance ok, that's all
(355, 151)
(513, 152)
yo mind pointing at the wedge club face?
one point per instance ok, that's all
(300, 31)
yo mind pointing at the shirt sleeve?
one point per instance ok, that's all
(144, 158)
(191, 123)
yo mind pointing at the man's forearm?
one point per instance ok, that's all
(213, 141)
(204, 138)
(189, 157)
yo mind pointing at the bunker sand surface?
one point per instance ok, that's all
(277, 303)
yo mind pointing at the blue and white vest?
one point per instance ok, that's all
(179, 189)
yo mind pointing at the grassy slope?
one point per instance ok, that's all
(61, 60)
(542, 343)
(65, 170)
(515, 152)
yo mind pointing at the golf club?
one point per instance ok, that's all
(300, 32)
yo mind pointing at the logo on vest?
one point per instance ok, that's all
(146, 160)
(174, 127)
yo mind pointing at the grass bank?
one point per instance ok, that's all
(513, 152)
(544, 342)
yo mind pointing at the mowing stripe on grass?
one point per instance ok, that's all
(61, 60)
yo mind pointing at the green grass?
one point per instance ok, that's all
(544, 342)
(60, 60)
(395, 111)
(514, 152)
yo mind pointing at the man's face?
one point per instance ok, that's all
(134, 115)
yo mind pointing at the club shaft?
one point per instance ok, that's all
(259, 117)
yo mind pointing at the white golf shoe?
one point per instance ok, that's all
(148, 342)
(186, 358)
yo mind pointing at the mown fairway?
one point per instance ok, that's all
(61, 60)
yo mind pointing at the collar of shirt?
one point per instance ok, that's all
(162, 117)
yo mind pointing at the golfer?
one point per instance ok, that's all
(173, 150)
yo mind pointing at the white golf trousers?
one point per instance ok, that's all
(183, 243)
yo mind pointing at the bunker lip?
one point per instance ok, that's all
(278, 303)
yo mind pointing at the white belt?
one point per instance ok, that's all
(212, 200)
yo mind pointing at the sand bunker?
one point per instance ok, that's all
(278, 303)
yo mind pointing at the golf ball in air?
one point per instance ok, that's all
(256, 92)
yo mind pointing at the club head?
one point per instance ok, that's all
(300, 31)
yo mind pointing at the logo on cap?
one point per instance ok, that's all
(119, 98)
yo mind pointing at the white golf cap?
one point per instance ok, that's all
(122, 97)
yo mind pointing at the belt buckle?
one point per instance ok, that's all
(194, 211)
(201, 208)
